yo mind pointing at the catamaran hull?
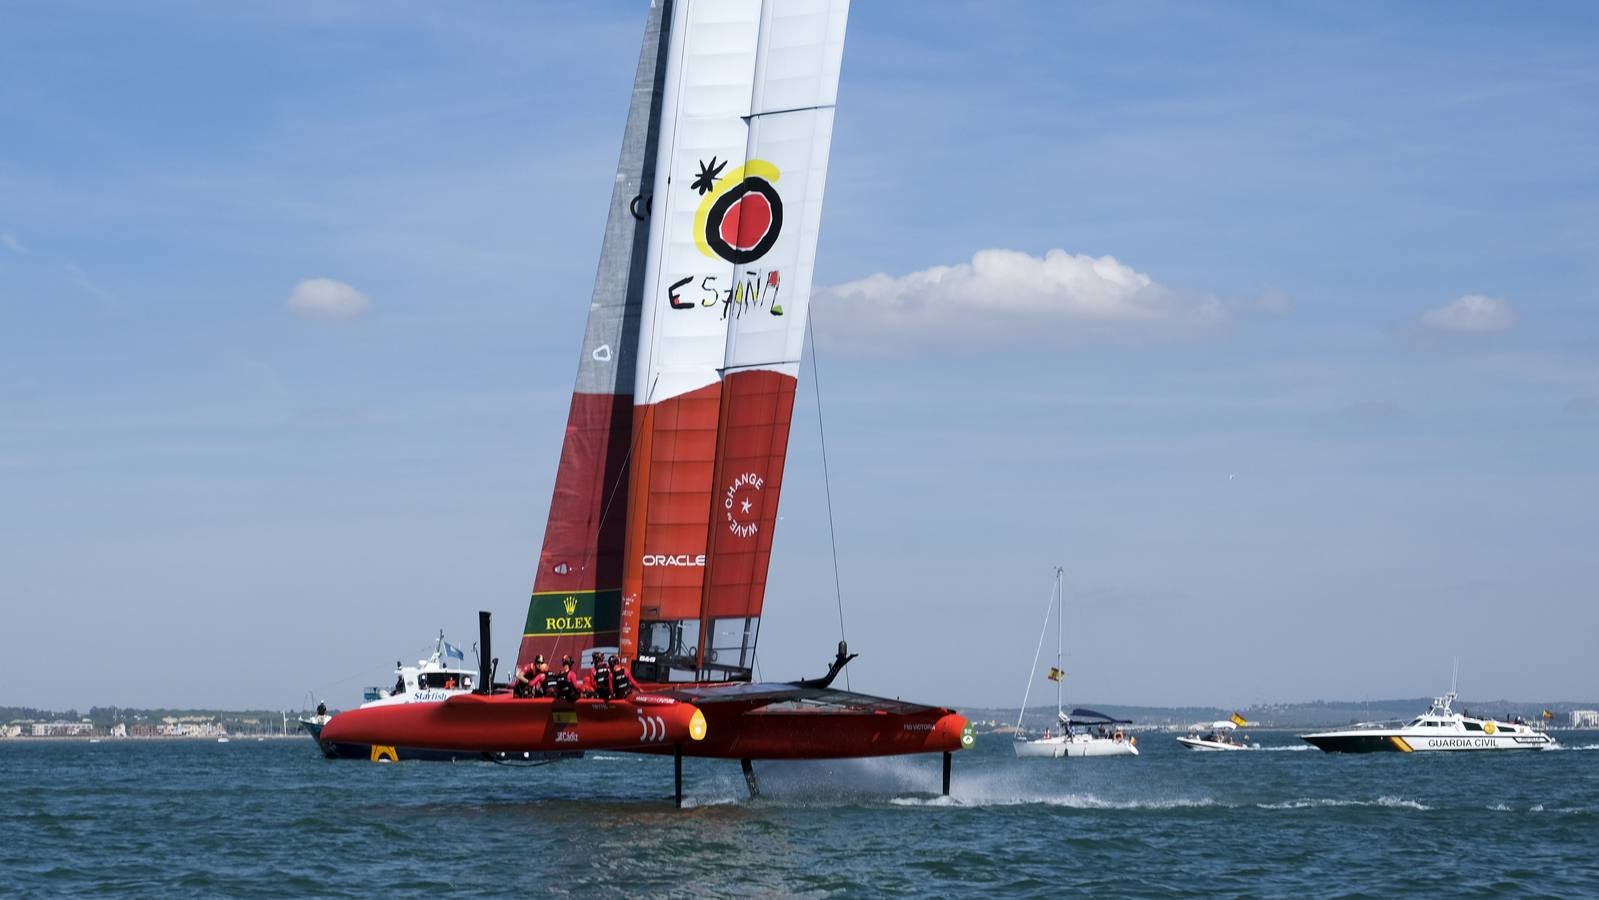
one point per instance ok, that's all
(379, 752)
(474, 724)
(1056, 748)
(826, 734)
(1392, 742)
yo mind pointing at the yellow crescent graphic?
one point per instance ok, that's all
(758, 167)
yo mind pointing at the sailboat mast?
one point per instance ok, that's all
(1060, 615)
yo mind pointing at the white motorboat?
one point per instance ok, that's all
(1223, 735)
(441, 675)
(1439, 728)
(1083, 732)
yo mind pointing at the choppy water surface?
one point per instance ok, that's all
(248, 818)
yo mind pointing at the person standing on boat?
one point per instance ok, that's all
(621, 685)
(600, 680)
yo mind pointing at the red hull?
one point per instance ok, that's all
(648, 724)
(826, 734)
(501, 722)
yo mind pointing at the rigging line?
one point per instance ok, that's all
(827, 481)
(1043, 630)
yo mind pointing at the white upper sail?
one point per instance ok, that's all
(746, 124)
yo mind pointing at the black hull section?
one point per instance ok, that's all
(392, 754)
(1353, 743)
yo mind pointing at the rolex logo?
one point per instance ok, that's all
(570, 603)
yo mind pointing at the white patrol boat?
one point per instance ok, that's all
(441, 675)
(1439, 728)
(1222, 736)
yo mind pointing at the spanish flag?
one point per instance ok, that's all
(1239, 720)
(1056, 674)
(1548, 714)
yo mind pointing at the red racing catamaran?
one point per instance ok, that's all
(665, 502)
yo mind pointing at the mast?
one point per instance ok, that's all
(1060, 616)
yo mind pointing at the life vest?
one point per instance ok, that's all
(623, 684)
(557, 685)
(602, 683)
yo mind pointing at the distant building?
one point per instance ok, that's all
(62, 729)
(190, 726)
(1585, 718)
(10, 731)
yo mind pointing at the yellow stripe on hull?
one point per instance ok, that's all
(1399, 742)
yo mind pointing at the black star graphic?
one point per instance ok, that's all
(708, 174)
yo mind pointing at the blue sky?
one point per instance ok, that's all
(1325, 418)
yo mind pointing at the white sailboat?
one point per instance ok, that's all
(1082, 732)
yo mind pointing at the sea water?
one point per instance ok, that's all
(160, 818)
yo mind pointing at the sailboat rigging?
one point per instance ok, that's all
(660, 529)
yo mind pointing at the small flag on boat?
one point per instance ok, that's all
(1239, 720)
(1056, 674)
(1548, 714)
(453, 652)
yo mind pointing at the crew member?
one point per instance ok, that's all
(560, 684)
(528, 678)
(600, 679)
(621, 685)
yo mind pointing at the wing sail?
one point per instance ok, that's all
(576, 599)
(746, 128)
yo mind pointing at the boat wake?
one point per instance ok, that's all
(1067, 801)
(1386, 800)
(1288, 748)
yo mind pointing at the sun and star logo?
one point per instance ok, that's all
(740, 214)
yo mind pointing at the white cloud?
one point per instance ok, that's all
(1473, 314)
(328, 299)
(1008, 295)
(10, 242)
